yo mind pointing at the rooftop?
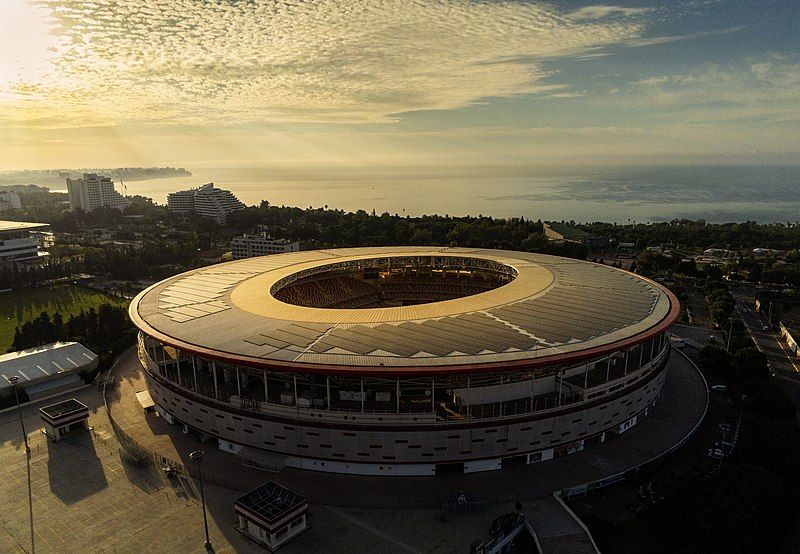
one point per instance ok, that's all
(552, 308)
(44, 362)
(567, 231)
(60, 409)
(270, 501)
(21, 225)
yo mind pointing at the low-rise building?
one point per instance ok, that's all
(46, 370)
(21, 241)
(261, 244)
(716, 253)
(206, 200)
(561, 231)
(64, 419)
(628, 248)
(271, 515)
(763, 253)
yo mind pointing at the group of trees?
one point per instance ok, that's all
(107, 331)
(698, 233)
(746, 365)
(653, 263)
(746, 502)
(720, 302)
(321, 227)
(750, 505)
(15, 276)
(156, 258)
(780, 274)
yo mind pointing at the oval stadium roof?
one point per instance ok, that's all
(555, 310)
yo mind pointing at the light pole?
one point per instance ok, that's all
(730, 332)
(14, 380)
(197, 456)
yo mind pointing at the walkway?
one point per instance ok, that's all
(680, 407)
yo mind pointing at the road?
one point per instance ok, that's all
(783, 363)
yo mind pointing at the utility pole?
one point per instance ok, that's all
(197, 456)
(14, 380)
(730, 332)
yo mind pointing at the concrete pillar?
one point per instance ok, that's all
(397, 394)
(469, 400)
(533, 391)
(501, 395)
(363, 396)
(214, 373)
(560, 378)
(328, 391)
(194, 373)
(238, 383)
(266, 386)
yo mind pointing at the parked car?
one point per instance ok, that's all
(719, 388)
(715, 454)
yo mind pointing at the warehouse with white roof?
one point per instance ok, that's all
(46, 370)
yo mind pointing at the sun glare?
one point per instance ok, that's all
(26, 45)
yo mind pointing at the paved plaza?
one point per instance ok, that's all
(681, 405)
(88, 498)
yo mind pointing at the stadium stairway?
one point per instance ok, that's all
(557, 529)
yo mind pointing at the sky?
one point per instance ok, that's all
(215, 83)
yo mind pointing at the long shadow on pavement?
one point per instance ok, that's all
(74, 469)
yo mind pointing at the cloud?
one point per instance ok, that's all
(602, 11)
(652, 41)
(763, 91)
(183, 61)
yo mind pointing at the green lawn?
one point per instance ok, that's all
(19, 306)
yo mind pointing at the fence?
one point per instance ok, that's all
(139, 453)
(633, 471)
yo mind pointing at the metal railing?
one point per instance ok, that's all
(511, 408)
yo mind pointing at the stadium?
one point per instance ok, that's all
(404, 360)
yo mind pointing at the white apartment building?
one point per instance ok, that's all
(92, 191)
(261, 244)
(19, 241)
(206, 200)
(9, 201)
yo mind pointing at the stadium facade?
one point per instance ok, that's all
(406, 360)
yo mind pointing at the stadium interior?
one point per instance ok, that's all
(385, 283)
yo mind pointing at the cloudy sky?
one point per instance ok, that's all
(396, 82)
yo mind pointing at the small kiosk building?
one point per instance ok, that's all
(271, 515)
(65, 418)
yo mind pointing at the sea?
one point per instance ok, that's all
(715, 193)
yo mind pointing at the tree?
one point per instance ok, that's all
(734, 514)
(751, 364)
(772, 400)
(715, 359)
